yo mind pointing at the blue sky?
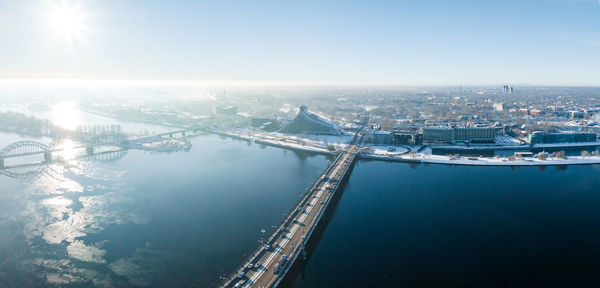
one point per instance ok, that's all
(545, 42)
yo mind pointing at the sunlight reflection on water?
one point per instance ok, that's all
(62, 207)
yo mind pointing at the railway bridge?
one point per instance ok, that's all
(23, 149)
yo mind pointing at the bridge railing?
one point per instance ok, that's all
(296, 252)
(295, 249)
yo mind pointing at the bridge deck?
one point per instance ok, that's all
(289, 239)
(46, 149)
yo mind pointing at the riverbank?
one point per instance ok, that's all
(275, 140)
(402, 154)
(483, 161)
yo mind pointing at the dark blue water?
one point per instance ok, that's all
(148, 219)
(398, 225)
(187, 218)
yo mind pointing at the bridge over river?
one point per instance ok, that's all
(22, 150)
(269, 264)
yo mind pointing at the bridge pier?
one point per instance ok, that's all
(48, 156)
(89, 150)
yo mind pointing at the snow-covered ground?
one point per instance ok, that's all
(167, 145)
(386, 150)
(576, 144)
(158, 144)
(484, 161)
(323, 144)
(339, 142)
(506, 140)
(320, 143)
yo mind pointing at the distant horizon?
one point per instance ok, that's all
(387, 43)
(77, 81)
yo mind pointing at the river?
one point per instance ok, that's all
(401, 225)
(189, 218)
(174, 219)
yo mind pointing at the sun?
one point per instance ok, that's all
(67, 20)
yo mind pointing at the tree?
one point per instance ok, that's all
(543, 156)
(561, 155)
(585, 153)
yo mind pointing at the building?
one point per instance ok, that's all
(501, 106)
(437, 134)
(475, 134)
(310, 123)
(574, 114)
(403, 138)
(379, 137)
(418, 139)
(539, 137)
(451, 135)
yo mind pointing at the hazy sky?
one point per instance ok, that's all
(555, 42)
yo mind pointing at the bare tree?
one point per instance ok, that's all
(585, 153)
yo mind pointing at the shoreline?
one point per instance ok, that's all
(485, 161)
(420, 158)
(273, 143)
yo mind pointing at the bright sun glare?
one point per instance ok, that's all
(67, 150)
(67, 19)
